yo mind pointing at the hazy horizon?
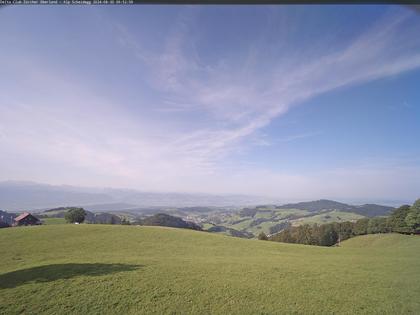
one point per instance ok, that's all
(289, 102)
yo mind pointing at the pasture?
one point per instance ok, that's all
(110, 269)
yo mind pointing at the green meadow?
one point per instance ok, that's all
(328, 217)
(110, 269)
(50, 221)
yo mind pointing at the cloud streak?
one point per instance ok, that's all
(245, 105)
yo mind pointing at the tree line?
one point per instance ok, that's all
(405, 219)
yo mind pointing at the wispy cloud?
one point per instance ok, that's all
(245, 104)
(299, 136)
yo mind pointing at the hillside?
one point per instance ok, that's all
(162, 219)
(109, 269)
(272, 219)
(368, 210)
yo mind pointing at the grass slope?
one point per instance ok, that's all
(98, 269)
(50, 221)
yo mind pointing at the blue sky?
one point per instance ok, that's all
(294, 102)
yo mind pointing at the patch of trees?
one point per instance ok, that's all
(102, 218)
(58, 212)
(262, 237)
(405, 219)
(75, 215)
(278, 227)
(125, 221)
(239, 221)
(248, 212)
(162, 219)
(89, 217)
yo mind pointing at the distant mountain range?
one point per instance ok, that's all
(18, 196)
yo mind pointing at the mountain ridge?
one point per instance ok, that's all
(18, 195)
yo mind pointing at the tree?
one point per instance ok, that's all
(378, 225)
(413, 217)
(345, 230)
(361, 226)
(75, 215)
(262, 237)
(286, 236)
(397, 219)
(328, 235)
(124, 221)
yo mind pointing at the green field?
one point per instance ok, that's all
(50, 221)
(105, 269)
(328, 217)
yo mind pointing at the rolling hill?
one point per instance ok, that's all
(109, 269)
(368, 210)
(271, 219)
(162, 219)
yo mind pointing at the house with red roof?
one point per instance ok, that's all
(26, 219)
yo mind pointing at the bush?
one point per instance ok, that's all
(124, 221)
(75, 215)
(262, 237)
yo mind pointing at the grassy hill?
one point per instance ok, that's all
(50, 221)
(106, 269)
(271, 219)
(328, 217)
(369, 210)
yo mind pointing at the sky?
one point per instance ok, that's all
(292, 102)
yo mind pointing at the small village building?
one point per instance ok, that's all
(26, 219)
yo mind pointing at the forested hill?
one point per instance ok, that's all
(369, 210)
(162, 219)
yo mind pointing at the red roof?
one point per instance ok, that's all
(22, 216)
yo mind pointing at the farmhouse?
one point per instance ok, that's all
(26, 219)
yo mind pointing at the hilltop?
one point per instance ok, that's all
(111, 269)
